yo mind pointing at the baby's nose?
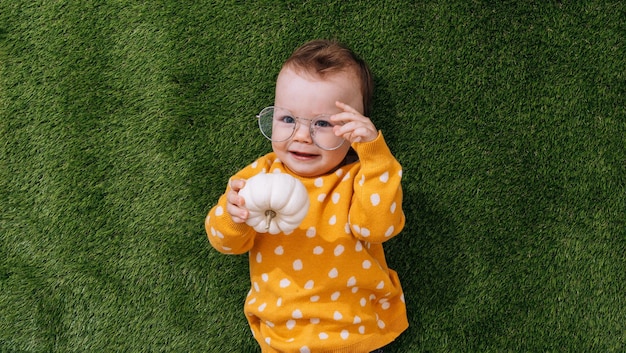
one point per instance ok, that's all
(303, 132)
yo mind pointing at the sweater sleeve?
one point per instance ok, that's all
(224, 234)
(376, 211)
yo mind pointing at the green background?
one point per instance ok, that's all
(121, 121)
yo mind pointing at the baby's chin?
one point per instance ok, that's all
(304, 171)
(310, 171)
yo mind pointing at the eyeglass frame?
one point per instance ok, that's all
(296, 126)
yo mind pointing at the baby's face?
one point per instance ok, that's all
(307, 96)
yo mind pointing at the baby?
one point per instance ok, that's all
(325, 287)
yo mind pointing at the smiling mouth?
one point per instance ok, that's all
(303, 155)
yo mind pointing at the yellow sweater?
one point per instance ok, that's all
(326, 286)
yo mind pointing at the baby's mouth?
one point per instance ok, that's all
(303, 154)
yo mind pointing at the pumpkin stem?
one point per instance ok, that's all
(269, 215)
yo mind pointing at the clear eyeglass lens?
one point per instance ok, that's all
(279, 125)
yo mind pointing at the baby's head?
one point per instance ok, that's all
(322, 58)
(316, 75)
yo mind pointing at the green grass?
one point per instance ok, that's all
(120, 123)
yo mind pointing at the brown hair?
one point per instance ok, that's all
(322, 57)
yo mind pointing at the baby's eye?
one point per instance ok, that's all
(288, 119)
(323, 123)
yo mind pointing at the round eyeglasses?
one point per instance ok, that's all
(279, 125)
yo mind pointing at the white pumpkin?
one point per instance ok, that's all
(277, 202)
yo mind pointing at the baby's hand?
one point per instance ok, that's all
(354, 126)
(235, 205)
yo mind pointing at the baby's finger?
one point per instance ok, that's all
(346, 107)
(238, 215)
(236, 184)
(356, 132)
(347, 116)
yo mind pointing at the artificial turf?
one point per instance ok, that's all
(121, 121)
